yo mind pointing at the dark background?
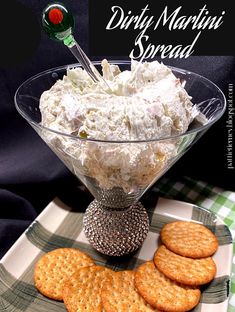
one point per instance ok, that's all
(31, 175)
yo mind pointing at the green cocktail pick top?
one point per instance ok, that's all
(58, 23)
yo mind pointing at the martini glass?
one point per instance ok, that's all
(118, 173)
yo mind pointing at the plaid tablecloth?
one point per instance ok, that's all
(61, 226)
(217, 200)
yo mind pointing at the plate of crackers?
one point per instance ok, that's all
(183, 265)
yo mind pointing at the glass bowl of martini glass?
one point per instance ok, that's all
(119, 172)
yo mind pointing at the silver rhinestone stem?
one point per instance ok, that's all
(113, 232)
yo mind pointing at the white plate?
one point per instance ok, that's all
(59, 226)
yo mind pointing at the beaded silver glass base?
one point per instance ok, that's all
(115, 232)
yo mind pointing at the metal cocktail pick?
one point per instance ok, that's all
(58, 23)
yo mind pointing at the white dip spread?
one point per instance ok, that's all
(147, 102)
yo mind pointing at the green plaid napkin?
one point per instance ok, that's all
(207, 196)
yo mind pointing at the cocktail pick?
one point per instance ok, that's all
(58, 23)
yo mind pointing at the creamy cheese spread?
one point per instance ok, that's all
(145, 103)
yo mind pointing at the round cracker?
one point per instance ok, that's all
(55, 267)
(119, 294)
(193, 272)
(189, 239)
(161, 292)
(82, 292)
